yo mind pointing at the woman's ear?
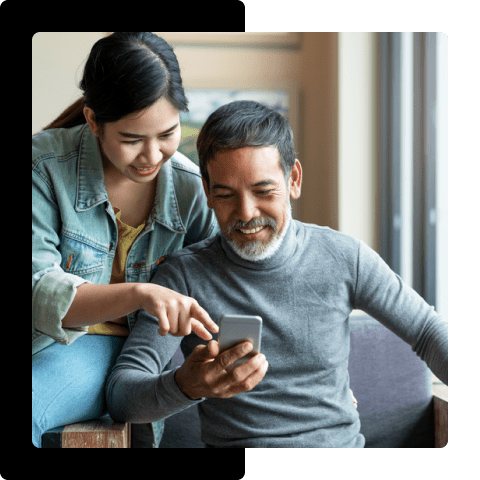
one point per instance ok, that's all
(90, 117)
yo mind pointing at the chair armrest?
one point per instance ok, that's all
(100, 433)
(440, 408)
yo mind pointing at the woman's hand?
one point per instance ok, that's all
(177, 314)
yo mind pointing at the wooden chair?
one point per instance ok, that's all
(440, 408)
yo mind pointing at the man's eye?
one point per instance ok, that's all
(133, 142)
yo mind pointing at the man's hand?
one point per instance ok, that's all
(204, 373)
(177, 314)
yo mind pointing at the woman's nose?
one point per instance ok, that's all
(153, 153)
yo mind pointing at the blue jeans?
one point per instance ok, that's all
(68, 382)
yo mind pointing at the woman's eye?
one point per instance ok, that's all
(134, 142)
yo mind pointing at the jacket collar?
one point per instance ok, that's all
(166, 210)
(91, 189)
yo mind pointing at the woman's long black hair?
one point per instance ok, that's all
(125, 73)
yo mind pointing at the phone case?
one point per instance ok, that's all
(238, 328)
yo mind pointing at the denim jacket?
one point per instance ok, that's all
(74, 230)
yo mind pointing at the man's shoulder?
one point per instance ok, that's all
(199, 250)
(324, 234)
(333, 243)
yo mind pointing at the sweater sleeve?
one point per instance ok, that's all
(386, 297)
(139, 389)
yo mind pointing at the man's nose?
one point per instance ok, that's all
(247, 208)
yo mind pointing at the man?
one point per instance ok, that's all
(303, 280)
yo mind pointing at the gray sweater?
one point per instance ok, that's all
(304, 293)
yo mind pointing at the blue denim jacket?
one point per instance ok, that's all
(74, 230)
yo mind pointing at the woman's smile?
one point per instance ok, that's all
(144, 171)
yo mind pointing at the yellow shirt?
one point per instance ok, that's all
(126, 237)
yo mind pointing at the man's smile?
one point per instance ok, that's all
(252, 230)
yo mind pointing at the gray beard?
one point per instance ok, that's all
(256, 251)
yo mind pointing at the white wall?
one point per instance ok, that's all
(357, 135)
(58, 59)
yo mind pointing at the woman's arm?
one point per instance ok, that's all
(177, 314)
(100, 303)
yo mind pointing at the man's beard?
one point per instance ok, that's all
(255, 251)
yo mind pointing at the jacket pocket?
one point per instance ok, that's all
(82, 256)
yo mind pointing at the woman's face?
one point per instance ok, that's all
(138, 144)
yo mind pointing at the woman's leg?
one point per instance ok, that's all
(68, 382)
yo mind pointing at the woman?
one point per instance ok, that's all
(111, 197)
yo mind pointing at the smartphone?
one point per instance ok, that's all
(235, 329)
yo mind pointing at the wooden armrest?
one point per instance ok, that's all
(440, 408)
(99, 433)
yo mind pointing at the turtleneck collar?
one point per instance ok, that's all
(285, 251)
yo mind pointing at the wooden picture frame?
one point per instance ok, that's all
(249, 39)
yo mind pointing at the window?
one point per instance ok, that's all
(413, 161)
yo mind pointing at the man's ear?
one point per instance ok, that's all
(206, 189)
(295, 180)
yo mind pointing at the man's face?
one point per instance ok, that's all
(250, 198)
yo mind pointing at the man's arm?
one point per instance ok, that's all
(138, 392)
(138, 389)
(386, 297)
